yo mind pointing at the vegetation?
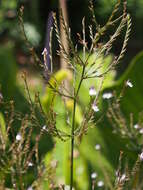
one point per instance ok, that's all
(85, 130)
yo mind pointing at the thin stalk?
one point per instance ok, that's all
(73, 128)
(72, 144)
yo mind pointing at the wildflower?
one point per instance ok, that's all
(100, 183)
(141, 131)
(92, 91)
(30, 164)
(141, 156)
(128, 83)
(30, 188)
(18, 137)
(97, 146)
(94, 107)
(136, 126)
(44, 127)
(123, 177)
(107, 95)
(93, 175)
(116, 173)
(14, 185)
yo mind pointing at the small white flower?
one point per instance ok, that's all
(30, 188)
(123, 177)
(14, 185)
(141, 156)
(97, 147)
(116, 173)
(30, 164)
(141, 131)
(100, 183)
(94, 107)
(93, 175)
(44, 127)
(107, 95)
(44, 52)
(92, 91)
(128, 83)
(18, 137)
(136, 126)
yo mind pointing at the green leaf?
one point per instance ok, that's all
(49, 95)
(3, 129)
(7, 70)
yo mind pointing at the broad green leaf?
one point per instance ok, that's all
(49, 95)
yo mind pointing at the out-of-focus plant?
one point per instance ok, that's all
(7, 12)
(132, 4)
(19, 156)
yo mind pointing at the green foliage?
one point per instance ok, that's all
(8, 74)
(7, 10)
(32, 34)
(105, 7)
(8, 70)
(131, 102)
(3, 129)
(56, 81)
(102, 134)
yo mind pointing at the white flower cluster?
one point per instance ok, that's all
(107, 95)
(92, 91)
(99, 183)
(95, 107)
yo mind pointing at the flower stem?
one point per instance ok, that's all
(73, 128)
(72, 144)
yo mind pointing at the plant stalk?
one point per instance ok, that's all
(72, 144)
(73, 128)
